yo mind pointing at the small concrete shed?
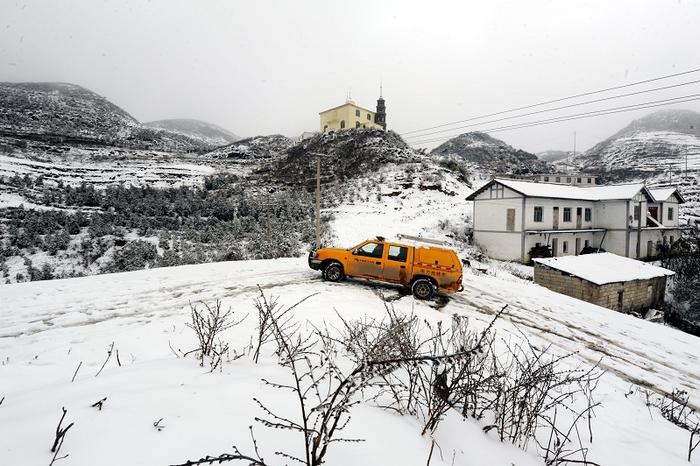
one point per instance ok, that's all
(605, 279)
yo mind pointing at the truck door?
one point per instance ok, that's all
(366, 261)
(395, 266)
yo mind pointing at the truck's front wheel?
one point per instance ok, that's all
(333, 272)
(422, 288)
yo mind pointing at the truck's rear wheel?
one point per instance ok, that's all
(333, 272)
(422, 288)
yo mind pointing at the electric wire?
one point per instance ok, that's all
(577, 116)
(561, 99)
(619, 96)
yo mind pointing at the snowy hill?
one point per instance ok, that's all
(67, 113)
(61, 110)
(168, 409)
(662, 149)
(554, 155)
(648, 146)
(208, 133)
(490, 155)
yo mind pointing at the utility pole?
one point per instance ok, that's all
(318, 200)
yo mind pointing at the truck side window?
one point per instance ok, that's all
(397, 253)
(371, 250)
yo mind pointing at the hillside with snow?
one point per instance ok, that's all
(485, 153)
(660, 149)
(71, 114)
(55, 349)
(208, 133)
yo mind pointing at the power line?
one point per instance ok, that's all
(556, 108)
(555, 100)
(577, 116)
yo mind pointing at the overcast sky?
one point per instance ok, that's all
(262, 67)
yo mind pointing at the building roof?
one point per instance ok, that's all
(565, 191)
(351, 104)
(661, 194)
(604, 268)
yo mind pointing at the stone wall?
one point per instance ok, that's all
(637, 295)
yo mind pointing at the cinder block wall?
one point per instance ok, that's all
(637, 294)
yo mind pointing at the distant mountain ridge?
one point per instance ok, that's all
(649, 145)
(554, 155)
(63, 112)
(489, 154)
(196, 129)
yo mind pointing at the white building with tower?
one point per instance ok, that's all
(511, 217)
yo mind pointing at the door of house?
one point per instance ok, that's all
(650, 248)
(510, 219)
(578, 218)
(653, 213)
(555, 218)
(555, 244)
(578, 246)
(620, 299)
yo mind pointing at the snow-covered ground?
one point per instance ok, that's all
(156, 169)
(48, 328)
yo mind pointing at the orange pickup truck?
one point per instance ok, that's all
(423, 269)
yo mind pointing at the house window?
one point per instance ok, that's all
(568, 179)
(357, 124)
(546, 178)
(558, 179)
(357, 113)
(342, 124)
(510, 219)
(369, 117)
(564, 247)
(588, 214)
(670, 213)
(496, 191)
(589, 181)
(578, 180)
(538, 214)
(567, 214)
(586, 243)
(636, 212)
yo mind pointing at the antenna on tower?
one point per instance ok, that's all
(380, 89)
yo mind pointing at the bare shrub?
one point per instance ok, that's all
(60, 436)
(275, 323)
(675, 408)
(208, 322)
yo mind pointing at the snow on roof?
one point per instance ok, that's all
(604, 268)
(661, 194)
(563, 191)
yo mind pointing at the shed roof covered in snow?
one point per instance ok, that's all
(563, 191)
(662, 194)
(604, 268)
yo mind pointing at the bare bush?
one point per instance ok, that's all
(675, 408)
(275, 323)
(208, 322)
(60, 436)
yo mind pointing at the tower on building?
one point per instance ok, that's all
(380, 114)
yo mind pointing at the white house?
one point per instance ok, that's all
(513, 216)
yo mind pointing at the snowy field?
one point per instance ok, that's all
(158, 170)
(48, 329)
